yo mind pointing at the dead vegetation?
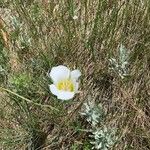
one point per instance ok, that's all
(44, 34)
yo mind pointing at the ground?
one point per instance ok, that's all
(108, 41)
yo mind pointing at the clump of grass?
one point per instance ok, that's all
(37, 35)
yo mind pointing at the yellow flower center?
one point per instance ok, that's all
(65, 85)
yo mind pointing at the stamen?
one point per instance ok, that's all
(66, 85)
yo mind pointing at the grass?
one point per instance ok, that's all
(37, 35)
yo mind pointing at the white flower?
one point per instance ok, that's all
(65, 82)
(75, 17)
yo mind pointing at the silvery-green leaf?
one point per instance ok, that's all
(123, 55)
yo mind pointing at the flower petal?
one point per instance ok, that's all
(75, 74)
(59, 73)
(76, 86)
(64, 95)
(53, 89)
